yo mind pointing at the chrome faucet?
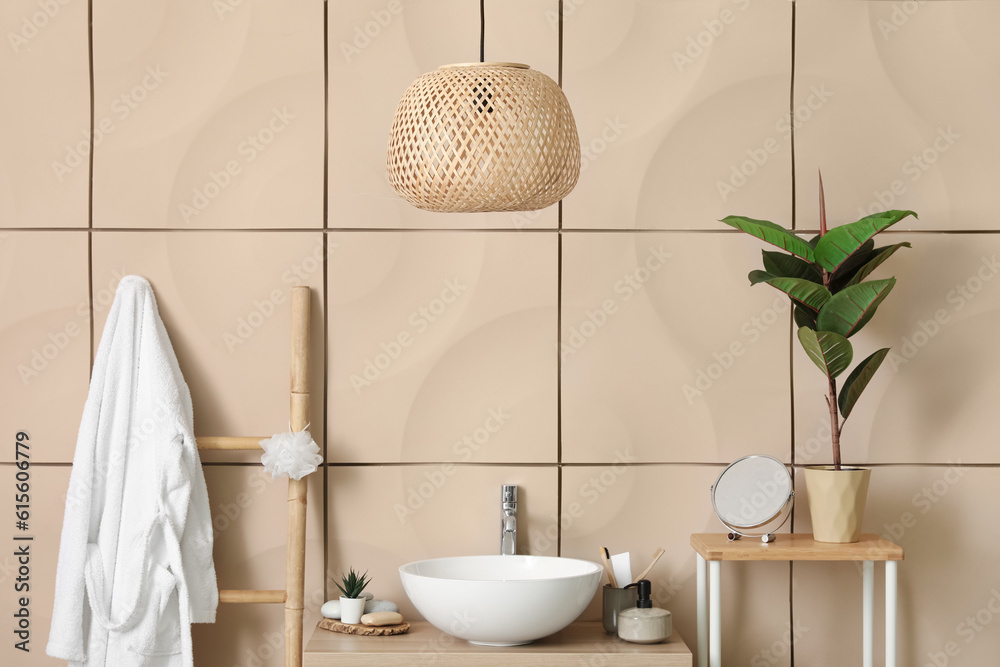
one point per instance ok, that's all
(508, 526)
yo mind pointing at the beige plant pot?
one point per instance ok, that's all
(837, 502)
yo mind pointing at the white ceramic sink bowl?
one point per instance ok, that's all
(500, 600)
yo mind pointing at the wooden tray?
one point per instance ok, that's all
(334, 625)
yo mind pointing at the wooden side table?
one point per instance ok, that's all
(714, 548)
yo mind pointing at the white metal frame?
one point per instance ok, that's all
(710, 612)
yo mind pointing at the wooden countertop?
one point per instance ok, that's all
(793, 546)
(425, 644)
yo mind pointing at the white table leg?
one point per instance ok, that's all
(715, 614)
(868, 605)
(702, 614)
(891, 595)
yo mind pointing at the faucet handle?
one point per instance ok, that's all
(508, 493)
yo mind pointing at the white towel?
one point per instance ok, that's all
(135, 561)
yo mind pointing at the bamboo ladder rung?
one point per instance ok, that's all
(252, 596)
(229, 443)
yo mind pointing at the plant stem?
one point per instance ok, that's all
(831, 399)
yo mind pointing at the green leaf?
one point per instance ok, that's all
(805, 317)
(838, 280)
(803, 292)
(851, 308)
(858, 380)
(832, 353)
(759, 276)
(876, 258)
(840, 242)
(771, 233)
(789, 266)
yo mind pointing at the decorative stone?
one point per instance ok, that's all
(331, 609)
(368, 596)
(373, 606)
(380, 618)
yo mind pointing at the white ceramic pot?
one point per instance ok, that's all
(837, 502)
(352, 609)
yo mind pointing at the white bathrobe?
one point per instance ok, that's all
(135, 562)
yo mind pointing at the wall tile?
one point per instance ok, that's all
(413, 512)
(928, 402)
(48, 502)
(444, 347)
(682, 110)
(225, 300)
(950, 576)
(214, 111)
(910, 89)
(659, 369)
(45, 148)
(249, 514)
(44, 339)
(377, 48)
(641, 508)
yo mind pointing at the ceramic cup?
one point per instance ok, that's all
(615, 600)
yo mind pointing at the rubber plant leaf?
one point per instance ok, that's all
(858, 259)
(805, 317)
(850, 309)
(802, 291)
(789, 266)
(858, 380)
(773, 234)
(832, 353)
(840, 242)
(879, 256)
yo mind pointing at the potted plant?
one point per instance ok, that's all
(825, 278)
(352, 604)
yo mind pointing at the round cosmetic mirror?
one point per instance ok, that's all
(753, 497)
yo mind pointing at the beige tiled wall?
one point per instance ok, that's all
(606, 355)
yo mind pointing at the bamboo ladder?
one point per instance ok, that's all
(295, 551)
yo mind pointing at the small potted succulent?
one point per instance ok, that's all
(825, 278)
(352, 604)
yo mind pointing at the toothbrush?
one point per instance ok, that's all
(607, 567)
(656, 557)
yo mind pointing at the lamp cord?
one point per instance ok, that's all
(482, 31)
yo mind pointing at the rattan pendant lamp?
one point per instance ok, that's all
(486, 136)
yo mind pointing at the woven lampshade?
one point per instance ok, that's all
(479, 137)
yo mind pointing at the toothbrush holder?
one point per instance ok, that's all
(615, 600)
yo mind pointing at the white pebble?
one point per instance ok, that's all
(373, 606)
(331, 609)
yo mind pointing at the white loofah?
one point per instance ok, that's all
(292, 454)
